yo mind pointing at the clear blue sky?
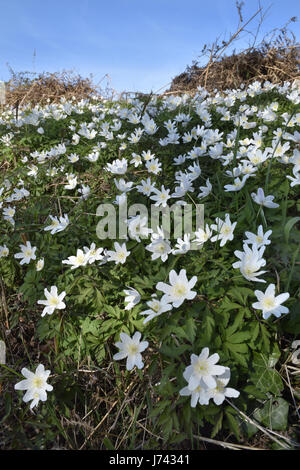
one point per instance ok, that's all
(141, 44)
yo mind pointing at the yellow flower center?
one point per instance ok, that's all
(225, 230)
(133, 349)
(268, 303)
(54, 301)
(201, 367)
(155, 306)
(248, 271)
(37, 382)
(179, 290)
(80, 258)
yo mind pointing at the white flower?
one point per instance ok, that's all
(75, 139)
(295, 159)
(72, 182)
(147, 155)
(33, 170)
(263, 200)
(136, 160)
(117, 167)
(156, 307)
(194, 171)
(153, 166)
(80, 259)
(251, 261)
(92, 157)
(121, 200)
(202, 235)
(57, 225)
(259, 239)
(8, 214)
(40, 264)
(36, 385)
(179, 160)
(93, 254)
(84, 191)
(73, 158)
(161, 196)
(256, 156)
(160, 247)
(4, 251)
(146, 187)
(122, 185)
(203, 367)
(150, 127)
(137, 227)
(185, 185)
(237, 185)
(269, 304)
(183, 246)
(225, 230)
(198, 395)
(219, 392)
(205, 190)
(27, 253)
(53, 302)
(119, 255)
(296, 179)
(132, 298)
(179, 288)
(131, 348)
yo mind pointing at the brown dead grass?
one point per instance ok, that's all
(266, 63)
(48, 88)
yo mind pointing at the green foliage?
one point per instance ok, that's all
(81, 339)
(274, 414)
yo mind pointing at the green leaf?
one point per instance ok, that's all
(291, 323)
(237, 322)
(254, 328)
(174, 351)
(265, 335)
(190, 328)
(218, 425)
(239, 337)
(108, 444)
(238, 348)
(240, 294)
(8, 403)
(252, 390)
(208, 325)
(264, 376)
(274, 414)
(90, 326)
(232, 423)
(288, 226)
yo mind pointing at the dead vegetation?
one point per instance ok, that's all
(276, 59)
(44, 88)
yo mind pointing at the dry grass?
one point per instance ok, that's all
(275, 59)
(273, 64)
(47, 88)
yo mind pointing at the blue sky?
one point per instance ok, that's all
(140, 44)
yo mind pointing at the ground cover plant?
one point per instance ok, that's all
(153, 341)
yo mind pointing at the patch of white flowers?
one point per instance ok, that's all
(206, 380)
